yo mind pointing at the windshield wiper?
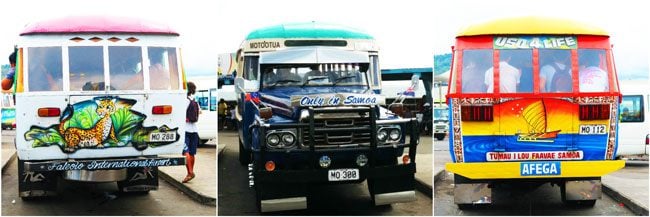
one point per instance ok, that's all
(343, 78)
(314, 78)
(283, 81)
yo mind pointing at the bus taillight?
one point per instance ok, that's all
(647, 139)
(161, 109)
(594, 112)
(477, 113)
(49, 112)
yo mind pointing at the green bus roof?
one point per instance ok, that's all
(308, 30)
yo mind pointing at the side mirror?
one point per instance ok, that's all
(397, 108)
(266, 112)
(415, 82)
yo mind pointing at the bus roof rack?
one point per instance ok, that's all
(530, 25)
(308, 30)
(97, 24)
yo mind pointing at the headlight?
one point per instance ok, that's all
(288, 139)
(382, 135)
(394, 134)
(273, 139)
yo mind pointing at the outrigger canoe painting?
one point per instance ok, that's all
(535, 116)
(528, 125)
(103, 122)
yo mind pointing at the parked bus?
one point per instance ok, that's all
(206, 96)
(97, 100)
(310, 112)
(635, 126)
(533, 100)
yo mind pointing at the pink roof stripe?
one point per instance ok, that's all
(97, 24)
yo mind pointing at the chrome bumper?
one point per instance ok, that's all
(95, 175)
(394, 197)
(282, 204)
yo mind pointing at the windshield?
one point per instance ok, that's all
(350, 74)
(440, 114)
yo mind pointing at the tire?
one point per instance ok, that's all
(440, 136)
(203, 141)
(244, 155)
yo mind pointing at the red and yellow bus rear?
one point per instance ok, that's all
(532, 99)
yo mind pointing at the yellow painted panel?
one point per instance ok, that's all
(510, 170)
(531, 25)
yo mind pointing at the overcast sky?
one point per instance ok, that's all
(628, 23)
(194, 20)
(409, 32)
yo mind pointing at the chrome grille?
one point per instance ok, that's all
(339, 138)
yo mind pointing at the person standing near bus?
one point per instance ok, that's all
(191, 131)
(8, 81)
(508, 75)
(222, 112)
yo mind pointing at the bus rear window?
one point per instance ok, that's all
(45, 69)
(593, 70)
(125, 65)
(163, 68)
(555, 71)
(86, 68)
(475, 66)
(632, 109)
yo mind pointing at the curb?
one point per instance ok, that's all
(629, 202)
(221, 149)
(423, 187)
(440, 175)
(191, 193)
(4, 167)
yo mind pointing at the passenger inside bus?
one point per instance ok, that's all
(284, 74)
(561, 83)
(523, 60)
(591, 76)
(509, 76)
(553, 61)
(475, 62)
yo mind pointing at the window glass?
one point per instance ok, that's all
(376, 72)
(515, 71)
(476, 64)
(213, 99)
(125, 68)
(45, 69)
(632, 109)
(593, 70)
(202, 98)
(163, 68)
(86, 68)
(339, 74)
(250, 67)
(555, 71)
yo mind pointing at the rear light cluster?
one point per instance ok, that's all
(477, 113)
(647, 139)
(49, 112)
(161, 109)
(594, 112)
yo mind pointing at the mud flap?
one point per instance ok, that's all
(36, 183)
(141, 179)
(397, 189)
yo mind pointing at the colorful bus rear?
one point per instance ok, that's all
(532, 99)
(97, 100)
